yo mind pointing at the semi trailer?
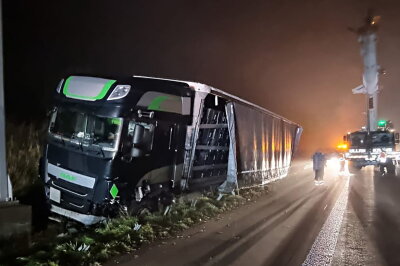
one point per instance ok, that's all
(136, 142)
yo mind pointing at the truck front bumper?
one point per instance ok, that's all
(86, 219)
(370, 159)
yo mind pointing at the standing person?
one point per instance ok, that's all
(342, 162)
(382, 163)
(318, 166)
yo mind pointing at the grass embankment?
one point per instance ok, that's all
(23, 153)
(91, 246)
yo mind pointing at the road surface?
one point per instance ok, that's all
(350, 220)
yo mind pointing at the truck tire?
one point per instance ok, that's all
(354, 167)
(391, 168)
(143, 207)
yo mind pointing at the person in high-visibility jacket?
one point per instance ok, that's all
(319, 163)
(342, 163)
(382, 159)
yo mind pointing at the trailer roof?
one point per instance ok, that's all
(205, 88)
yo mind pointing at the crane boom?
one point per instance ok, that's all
(367, 38)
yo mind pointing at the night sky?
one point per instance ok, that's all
(295, 58)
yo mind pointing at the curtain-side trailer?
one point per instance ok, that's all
(133, 143)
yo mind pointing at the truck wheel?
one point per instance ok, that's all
(391, 168)
(166, 199)
(354, 167)
(143, 207)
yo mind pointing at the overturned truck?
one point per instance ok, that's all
(134, 143)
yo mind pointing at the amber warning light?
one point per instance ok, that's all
(342, 146)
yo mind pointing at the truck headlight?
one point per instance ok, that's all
(119, 92)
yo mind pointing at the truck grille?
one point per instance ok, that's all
(73, 197)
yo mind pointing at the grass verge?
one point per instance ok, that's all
(92, 246)
(23, 153)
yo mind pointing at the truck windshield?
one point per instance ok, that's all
(358, 139)
(382, 138)
(85, 128)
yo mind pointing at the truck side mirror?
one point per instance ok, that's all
(138, 135)
(345, 138)
(136, 152)
(137, 141)
(132, 147)
(397, 138)
(127, 147)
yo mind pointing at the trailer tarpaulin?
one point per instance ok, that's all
(265, 145)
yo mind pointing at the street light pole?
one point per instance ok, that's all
(15, 219)
(4, 193)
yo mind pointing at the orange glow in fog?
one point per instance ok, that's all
(342, 146)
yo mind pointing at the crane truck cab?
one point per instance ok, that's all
(366, 148)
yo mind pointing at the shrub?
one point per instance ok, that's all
(23, 153)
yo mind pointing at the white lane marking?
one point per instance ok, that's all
(324, 246)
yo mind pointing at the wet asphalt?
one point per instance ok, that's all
(349, 220)
(370, 234)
